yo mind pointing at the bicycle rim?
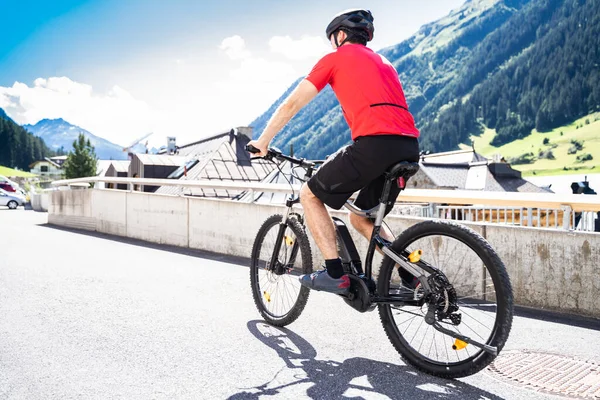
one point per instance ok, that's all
(279, 293)
(479, 297)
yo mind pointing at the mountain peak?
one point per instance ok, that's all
(59, 133)
(52, 121)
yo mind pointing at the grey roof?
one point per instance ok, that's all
(156, 159)
(282, 175)
(57, 165)
(102, 167)
(447, 176)
(513, 185)
(477, 176)
(120, 166)
(221, 157)
(453, 157)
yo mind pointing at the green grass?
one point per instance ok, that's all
(9, 172)
(578, 130)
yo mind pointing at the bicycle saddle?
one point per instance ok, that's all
(403, 169)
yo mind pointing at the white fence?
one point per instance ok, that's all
(563, 218)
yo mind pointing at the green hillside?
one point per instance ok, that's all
(9, 172)
(585, 131)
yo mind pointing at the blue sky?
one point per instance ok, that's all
(183, 68)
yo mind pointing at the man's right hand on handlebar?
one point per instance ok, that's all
(260, 146)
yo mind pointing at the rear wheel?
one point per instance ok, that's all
(12, 205)
(276, 289)
(470, 295)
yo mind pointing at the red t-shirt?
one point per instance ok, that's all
(368, 89)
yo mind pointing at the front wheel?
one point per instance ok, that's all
(276, 288)
(470, 295)
(12, 205)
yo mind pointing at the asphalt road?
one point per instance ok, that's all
(85, 316)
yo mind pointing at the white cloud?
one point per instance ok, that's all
(259, 70)
(115, 115)
(303, 48)
(254, 86)
(235, 47)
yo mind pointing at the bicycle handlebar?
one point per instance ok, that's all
(274, 153)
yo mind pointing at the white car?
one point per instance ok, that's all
(11, 200)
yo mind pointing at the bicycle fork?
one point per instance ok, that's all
(274, 262)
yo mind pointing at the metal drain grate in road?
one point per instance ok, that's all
(549, 373)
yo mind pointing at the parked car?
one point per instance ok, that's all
(8, 187)
(11, 200)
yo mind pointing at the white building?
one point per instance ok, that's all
(47, 169)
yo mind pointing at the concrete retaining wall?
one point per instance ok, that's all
(548, 269)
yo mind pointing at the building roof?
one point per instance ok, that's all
(160, 159)
(466, 169)
(221, 157)
(453, 157)
(46, 159)
(282, 175)
(449, 176)
(102, 167)
(121, 165)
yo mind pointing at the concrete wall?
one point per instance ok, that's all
(551, 269)
(110, 211)
(39, 202)
(548, 269)
(157, 218)
(72, 208)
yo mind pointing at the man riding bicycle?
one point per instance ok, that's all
(383, 133)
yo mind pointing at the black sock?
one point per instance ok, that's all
(334, 268)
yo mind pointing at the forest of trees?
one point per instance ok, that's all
(19, 148)
(547, 85)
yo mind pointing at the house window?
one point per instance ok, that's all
(44, 168)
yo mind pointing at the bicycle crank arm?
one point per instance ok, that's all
(490, 349)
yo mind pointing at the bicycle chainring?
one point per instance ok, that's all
(359, 295)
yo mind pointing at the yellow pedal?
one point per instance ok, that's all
(267, 296)
(289, 241)
(415, 256)
(459, 345)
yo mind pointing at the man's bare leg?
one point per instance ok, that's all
(365, 227)
(319, 223)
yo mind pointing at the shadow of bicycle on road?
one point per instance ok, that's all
(354, 378)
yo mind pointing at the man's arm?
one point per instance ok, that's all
(301, 96)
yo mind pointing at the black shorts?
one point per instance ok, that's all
(360, 166)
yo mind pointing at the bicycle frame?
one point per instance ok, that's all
(376, 241)
(348, 251)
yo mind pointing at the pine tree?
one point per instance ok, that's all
(81, 162)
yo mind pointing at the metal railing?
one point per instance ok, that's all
(562, 218)
(548, 210)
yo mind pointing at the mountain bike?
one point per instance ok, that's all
(443, 294)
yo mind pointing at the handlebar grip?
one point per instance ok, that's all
(252, 149)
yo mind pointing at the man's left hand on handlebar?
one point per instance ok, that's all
(260, 146)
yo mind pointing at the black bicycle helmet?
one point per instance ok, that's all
(354, 19)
